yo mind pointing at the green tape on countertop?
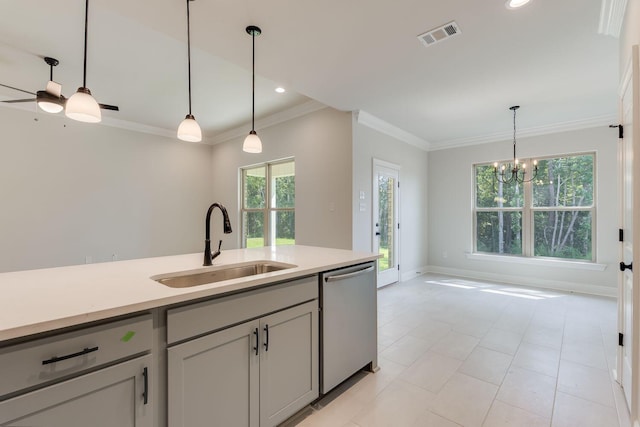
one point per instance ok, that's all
(127, 336)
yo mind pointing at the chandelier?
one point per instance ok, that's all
(515, 172)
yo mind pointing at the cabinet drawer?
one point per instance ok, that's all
(200, 318)
(43, 360)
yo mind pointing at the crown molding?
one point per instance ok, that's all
(612, 17)
(528, 132)
(371, 121)
(274, 119)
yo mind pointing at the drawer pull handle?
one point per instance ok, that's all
(55, 359)
(145, 392)
(266, 342)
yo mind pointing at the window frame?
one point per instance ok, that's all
(268, 211)
(528, 213)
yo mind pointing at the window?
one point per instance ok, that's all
(552, 216)
(268, 204)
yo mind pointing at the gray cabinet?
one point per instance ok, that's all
(113, 396)
(288, 362)
(254, 374)
(92, 376)
(213, 380)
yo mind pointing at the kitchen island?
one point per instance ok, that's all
(258, 334)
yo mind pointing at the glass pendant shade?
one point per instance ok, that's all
(83, 107)
(189, 130)
(252, 143)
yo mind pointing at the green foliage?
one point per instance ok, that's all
(385, 209)
(564, 183)
(255, 193)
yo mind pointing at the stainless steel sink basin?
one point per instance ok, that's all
(218, 274)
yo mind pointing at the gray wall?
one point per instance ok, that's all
(450, 211)
(71, 190)
(367, 145)
(320, 142)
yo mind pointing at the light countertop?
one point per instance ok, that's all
(37, 301)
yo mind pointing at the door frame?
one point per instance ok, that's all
(378, 164)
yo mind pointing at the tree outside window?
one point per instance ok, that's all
(552, 216)
(268, 204)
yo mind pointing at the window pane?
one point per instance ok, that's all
(254, 188)
(563, 234)
(564, 181)
(492, 194)
(253, 229)
(283, 227)
(283, 185)
(499, 232)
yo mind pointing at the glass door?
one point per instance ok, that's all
(386, 221)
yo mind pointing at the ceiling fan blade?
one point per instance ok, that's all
(19, 90)
(109, 107)
(15, 101)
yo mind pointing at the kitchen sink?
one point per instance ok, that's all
(218, 274)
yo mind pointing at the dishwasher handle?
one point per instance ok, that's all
(348, 275)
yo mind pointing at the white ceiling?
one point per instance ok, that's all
(349, 54)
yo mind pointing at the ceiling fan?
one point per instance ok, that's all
(51, 99)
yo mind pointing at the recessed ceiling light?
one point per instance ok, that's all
(280, 90)
(514, 4)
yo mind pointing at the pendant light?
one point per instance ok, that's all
(516, 172)
(51, 99)
(252, 143)
(82, 106)
(189, 130)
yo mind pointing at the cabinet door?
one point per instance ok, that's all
(213, 380)
(109, 397)
(288, 362)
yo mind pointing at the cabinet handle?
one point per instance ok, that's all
(266, 342)
(55, 359)
(145, 392)
(257, 345)
(624, 266)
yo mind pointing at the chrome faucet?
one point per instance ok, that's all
(208, 256)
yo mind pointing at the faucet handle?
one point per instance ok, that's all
(216, 253)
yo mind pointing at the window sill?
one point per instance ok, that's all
(578, 265)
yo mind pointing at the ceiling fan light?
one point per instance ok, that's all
(83, 107)
(514, 4)
(49, 103)
(189, 130)
(50, 107)
(252, 143)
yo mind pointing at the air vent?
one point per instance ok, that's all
(438, 34)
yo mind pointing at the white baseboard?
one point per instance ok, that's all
(414, 273)
(527, 281)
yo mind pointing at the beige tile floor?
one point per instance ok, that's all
(456, 352)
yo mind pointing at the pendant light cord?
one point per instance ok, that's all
(188, 53)
(514, 136)
(86, 23)
(253, 83)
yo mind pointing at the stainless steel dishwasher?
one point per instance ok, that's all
(348, 323)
